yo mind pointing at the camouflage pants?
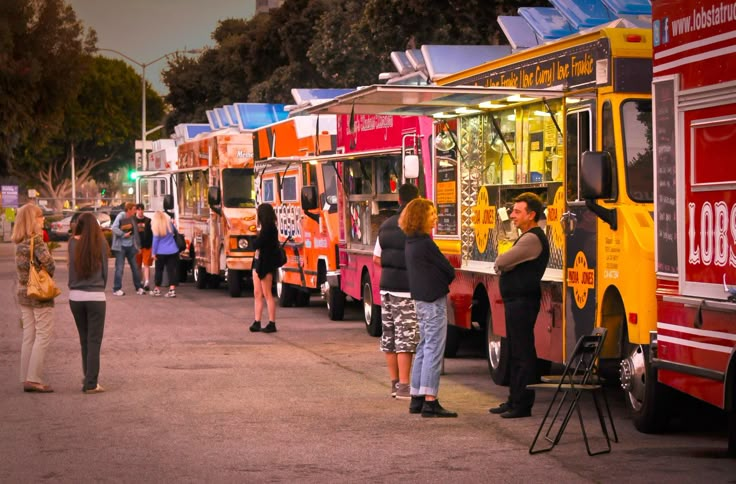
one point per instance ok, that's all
(399, 322)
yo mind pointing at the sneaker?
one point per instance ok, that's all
(119, 292)
(97, 389)
(270, 328)
(402, 391)
(140, 291)
(255, 327)
(146, 287)
(417, 402)
(503, 408)
(171, 293)
(394, 384)
(156, 292)
(433, 409)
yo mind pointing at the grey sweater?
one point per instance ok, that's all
(94, 283)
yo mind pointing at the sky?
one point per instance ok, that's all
(146, 29)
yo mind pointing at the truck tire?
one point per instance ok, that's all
(645, 396)
(302, 297)
(371, 312)
(183, 269)
(286, 293)
(497, 354)
(335, 304)
(200, 277)
(453, 341)
(234, 282)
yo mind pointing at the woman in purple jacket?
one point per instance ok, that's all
(164, 252)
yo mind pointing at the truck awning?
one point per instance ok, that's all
(426, 100)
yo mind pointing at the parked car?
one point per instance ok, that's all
(60, 229)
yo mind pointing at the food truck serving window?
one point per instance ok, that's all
(710, 138)
(238, 190)
(289, 189)
(268, 191)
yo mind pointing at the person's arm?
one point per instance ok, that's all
(154, 246)
(441, 261)
(377, 252)
(43, 255)
(262, 240)
(527, 248)
(115, 227)
(105, 255)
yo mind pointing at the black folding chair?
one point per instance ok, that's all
(579, 377)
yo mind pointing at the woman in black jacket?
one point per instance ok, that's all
(430, 275)
(264, 265)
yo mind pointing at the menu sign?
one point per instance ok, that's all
(665, 166)
(446, 198)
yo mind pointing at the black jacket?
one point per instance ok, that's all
(430, 273)
(267, 244)
(522, 282)
(144, 231)
(393, 262)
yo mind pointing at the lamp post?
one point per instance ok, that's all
(143, 66)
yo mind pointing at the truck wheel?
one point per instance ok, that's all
(183, 270)
(286, 293)
(371, 312)
(453, 341)
(234, 282)
(200, 277)
(213, 281)
(497, 354)
(302, 298)
(335, 304)
(645, 396)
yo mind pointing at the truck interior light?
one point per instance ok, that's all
(444, 115)
(544, 114)
(518, 98)
(511, 117)
(572, 100)
(312, 162)
(465, 110)
(633, 318)
(490, 105)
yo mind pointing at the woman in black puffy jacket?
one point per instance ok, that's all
(264, 265)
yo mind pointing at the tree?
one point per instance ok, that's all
(43, 54)
(98, 129)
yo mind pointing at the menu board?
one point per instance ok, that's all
(666, 167)
(446, 198)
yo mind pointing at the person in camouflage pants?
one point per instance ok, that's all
(398, 313)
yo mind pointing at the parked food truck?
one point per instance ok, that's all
(521, 124)
(303, 192)
(692, 348)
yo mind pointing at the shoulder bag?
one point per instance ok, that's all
(181, 243)
(41, 286)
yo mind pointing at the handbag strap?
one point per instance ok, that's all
(32, 255)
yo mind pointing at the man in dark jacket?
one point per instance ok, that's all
(143, 257)
(398, 315)
(521, 269)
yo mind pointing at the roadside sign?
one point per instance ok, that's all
(10, 196)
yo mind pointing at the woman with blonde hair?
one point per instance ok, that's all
(88, 253)
(165, 252)
(430, 275)
(37, 316)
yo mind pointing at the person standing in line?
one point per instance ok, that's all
(165, 253)
(88, 253)
(400, 330)
(266, 246)
(521, 269)
(430, 275)
(143, 257)
(126, 244)
(37, 317)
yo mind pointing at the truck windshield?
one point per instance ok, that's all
(636, 117)
(237, 188)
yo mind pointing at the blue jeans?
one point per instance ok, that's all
(425, 374)
(120, 257)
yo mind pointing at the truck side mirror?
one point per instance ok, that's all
(168, 202)
(309, 198)
(411, 166)
(596, 175)
(213, 199)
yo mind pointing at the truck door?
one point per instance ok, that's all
(580, 227)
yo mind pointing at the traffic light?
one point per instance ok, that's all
(132, 174)
(103, 191)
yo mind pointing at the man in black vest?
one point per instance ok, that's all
(521, 269)
(398, 313)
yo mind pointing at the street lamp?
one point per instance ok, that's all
(143, 66)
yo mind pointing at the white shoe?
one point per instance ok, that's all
(119, 292)
(141, 291)
(171, 293)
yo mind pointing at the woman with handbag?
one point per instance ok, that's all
(265, 262)
(88, 253)
(37, 316)
(165, 253)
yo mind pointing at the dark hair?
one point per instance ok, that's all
(266, 215)
(88, 252)
(407, 193)
(533, 203)
(139, 206)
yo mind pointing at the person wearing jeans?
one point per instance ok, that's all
(126, 244)
(430, 275)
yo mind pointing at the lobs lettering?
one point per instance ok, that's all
(716, 227)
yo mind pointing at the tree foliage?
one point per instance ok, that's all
(43, 54)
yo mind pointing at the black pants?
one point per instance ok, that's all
(169, 261)
(89, 317)
(521, 314)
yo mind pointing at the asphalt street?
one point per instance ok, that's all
(192, 396)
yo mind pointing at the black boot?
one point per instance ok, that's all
(255, 327)
(416, 404)
(433, 409)
(270, 328)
